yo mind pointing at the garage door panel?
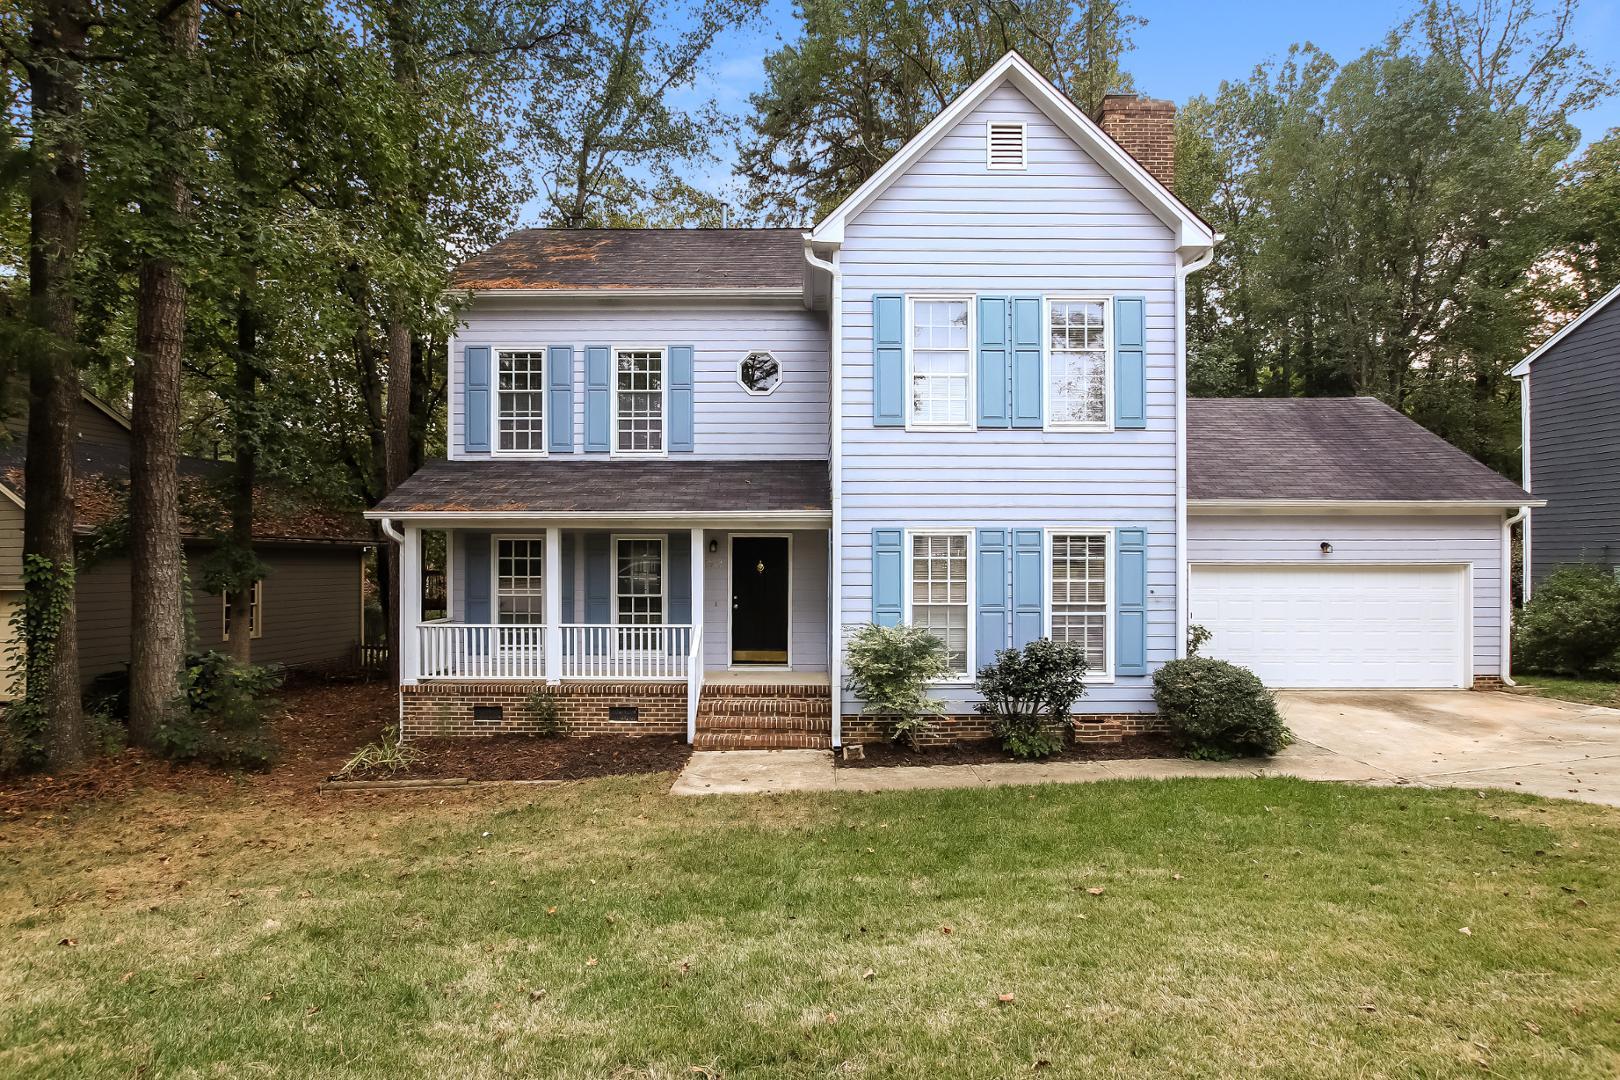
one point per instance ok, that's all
(1336, 626)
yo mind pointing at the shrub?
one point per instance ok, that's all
(544, 708)
(1571, 626)
(1218, 710)
(1197, 637)
(222, 718)
(890, 668)
(1030, 693)
(389, 754)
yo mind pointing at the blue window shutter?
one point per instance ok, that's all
(889, 361)
(475, 360)
(598, 578)
(568, 614)
(991, 587)
(1028, 586)
(678, 576)
(475, 557)
(597, 388)
(681, 435)
(888, 576)
(560, 399)
(1027, 369)
(1130, 598)
(995, 377)
(1130, 362)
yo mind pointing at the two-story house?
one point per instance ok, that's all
(684, 463)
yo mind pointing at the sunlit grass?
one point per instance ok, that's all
(1585, 691)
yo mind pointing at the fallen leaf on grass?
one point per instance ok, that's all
(1005, 999)
(1095, 890)
(868, 973)
(1532, 1027)
(591, 962)
(945, 930)
(70, 941)
(1465, 932)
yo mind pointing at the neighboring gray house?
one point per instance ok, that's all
(685, 463)
(1570, 400)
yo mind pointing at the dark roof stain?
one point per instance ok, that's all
(612, 486)
(1327, 448)
(638, 259)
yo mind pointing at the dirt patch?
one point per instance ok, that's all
(989, 751)
(533, 757)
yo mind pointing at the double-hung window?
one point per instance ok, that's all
(639, 396)
(520, 568)
(638, 589)
(520, 400)
(941, 332)
(1081, 591)
(939, 598)
(255, 612)
(1077, 363)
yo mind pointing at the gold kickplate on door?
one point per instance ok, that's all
(760, 656)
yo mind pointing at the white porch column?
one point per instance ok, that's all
(553, 599)
(410, 605)
(694, 689)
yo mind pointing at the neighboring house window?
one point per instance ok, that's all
(759, 373)
(520, 570)
(255, 612)
(1077, 362)
(938, 591)
(941, 362)
(639, 401)
(638, 588)
(1080, 590)
(520, 399)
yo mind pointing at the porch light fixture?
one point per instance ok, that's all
(1327, 548)
(714, 546)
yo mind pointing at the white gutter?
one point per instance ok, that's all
(1524, 467)
(750, 292)
(835, 463)
(1380, 506)
(676, 519)
(1182, 607)
(1523, 514)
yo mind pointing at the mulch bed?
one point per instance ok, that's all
(988, 751)
(532, 757)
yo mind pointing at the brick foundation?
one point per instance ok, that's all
(1489, 682)
(429, 709)
(1088, 728)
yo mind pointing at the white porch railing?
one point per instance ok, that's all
(630, 653)
(448, 650)
(481, 651)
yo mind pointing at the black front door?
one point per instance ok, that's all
(759, 600)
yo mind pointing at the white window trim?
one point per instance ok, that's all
(781, 373)
(954, 679)
(495, 450)
(256, 600)
(972, 301)
(1110, 611)
(1023, 145)
(663, 574)
(1047, 366)
(613, 399)
(495, 575)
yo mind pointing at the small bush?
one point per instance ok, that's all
(1029, 694)
(890, 668)
(1571, 626)
(223, 716)
(108, 694)
(1197, 637)
(1218, 710)
(389, 754)
(544, 708)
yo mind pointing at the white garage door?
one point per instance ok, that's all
(1336, 626)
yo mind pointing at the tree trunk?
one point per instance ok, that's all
(55, 206)
(244, 431)
(157, 635)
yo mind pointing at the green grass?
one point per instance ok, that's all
(1585, 691)
(1259, 928)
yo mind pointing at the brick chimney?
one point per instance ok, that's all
(1146, 129)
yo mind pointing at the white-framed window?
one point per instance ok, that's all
(255, 612)
(520, 573)
(1080, 594)
(939, 360)
(640, 395)
(520, 401)
(760, 373)
(939, 592)
(1078, 344)
(1005, 145)
(638, 581)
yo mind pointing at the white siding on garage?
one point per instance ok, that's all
(1473, 540)
(1062, 226)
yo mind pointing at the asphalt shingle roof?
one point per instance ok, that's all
(638, 259)
(586, 487)
(1327, 448)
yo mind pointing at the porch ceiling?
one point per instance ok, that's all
(612, 487)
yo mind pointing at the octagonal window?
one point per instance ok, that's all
(759, 373)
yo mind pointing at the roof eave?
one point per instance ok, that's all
(1522, 368)
(793, 293)
(1363, 506)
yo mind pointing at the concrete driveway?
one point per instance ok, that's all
(1457, 738)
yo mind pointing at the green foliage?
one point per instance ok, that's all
(1197, 637)
(388, 755)
(35, 626)
(1030, 694)
(1571, 626)
(1218, 710)
(543, 709)
(890, 668)
(223, 718)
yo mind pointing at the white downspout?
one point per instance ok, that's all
(390, 531)
(1182, 607)
(1507, 591)
(835, 551)
(1524, 457)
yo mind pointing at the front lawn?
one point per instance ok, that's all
(1187, 928)
(1585, 691)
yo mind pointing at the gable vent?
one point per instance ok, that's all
(1004, 146)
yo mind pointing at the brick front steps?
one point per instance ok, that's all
(764, 717)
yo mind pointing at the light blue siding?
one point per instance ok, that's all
(727, 422)
(1064, 226)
